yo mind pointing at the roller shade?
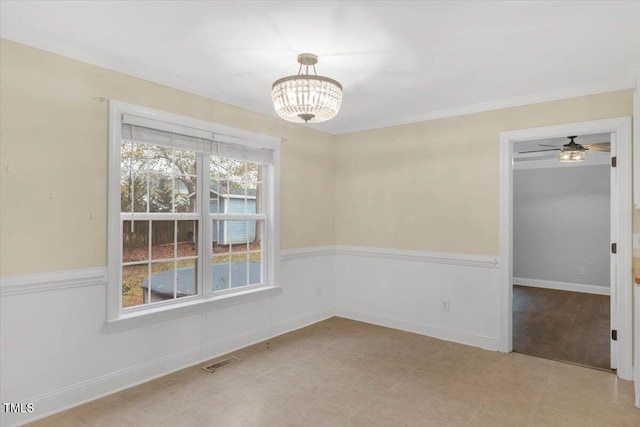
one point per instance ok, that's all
(152, 132)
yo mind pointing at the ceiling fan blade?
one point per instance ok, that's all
(539, 151)
(602, 146)
(547, 145)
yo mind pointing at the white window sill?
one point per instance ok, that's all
(194, 306)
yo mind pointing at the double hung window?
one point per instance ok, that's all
(193, 211)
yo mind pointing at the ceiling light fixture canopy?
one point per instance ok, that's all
(572, 151)
(304, 97)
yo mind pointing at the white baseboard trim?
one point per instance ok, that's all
(82, 392)
(420, 256)
(563, 286)
(52, 280)
(227, 345)
(300, 322)
(435, 331)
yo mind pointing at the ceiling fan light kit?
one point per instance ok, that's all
(572, 152)
(571, 156)
(305, 98)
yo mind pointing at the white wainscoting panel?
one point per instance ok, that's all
(407, 290)
(57, 351)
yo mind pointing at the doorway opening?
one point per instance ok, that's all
(561, 251)
(620, 322)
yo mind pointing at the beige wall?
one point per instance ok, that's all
(429, 186)
(434, 185)
(53, 134)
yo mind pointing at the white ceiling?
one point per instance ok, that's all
(398, 62)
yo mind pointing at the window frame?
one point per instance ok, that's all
(206, 296)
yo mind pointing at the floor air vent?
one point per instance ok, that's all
(226, 362)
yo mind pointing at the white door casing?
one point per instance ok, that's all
(621, 230)
(636, 186)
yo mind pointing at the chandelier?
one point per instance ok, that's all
(306, 98)
(572, 151)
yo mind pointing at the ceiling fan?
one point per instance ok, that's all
(573, 146)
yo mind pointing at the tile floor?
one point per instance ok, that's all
(345, 373)
(562, 325)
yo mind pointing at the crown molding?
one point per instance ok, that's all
(121, 65)
(499, 104)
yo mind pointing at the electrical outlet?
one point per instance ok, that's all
(318, 291)
(445, 305)
(581, 271)
(636, 241)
